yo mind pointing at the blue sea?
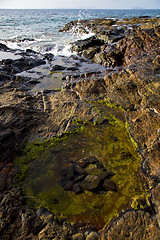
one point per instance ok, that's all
(38, 29)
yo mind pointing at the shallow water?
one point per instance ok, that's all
(50, 82)
(38, 28)
(110, 143)
(48, 79)
(8, 55)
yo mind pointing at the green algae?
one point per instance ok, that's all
(109, 142)
(141, 201)
(110, 104)
(35, 148)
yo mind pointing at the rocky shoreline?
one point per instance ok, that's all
(129, 51)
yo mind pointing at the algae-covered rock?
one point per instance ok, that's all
(90, 176)
(91, 183)
(117, 120)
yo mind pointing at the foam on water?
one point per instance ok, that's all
(41, 27)
(53, 44)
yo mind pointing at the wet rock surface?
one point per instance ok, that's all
(91, 176)
(130, 53)
(115, 43)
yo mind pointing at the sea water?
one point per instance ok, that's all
(38, 29)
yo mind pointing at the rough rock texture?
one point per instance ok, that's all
(132, 83)
(136, 88)
(92, 176)
(132, 225)
(114, 45)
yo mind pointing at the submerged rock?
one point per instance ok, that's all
(109, 185)
(90, 175)
(133, 86)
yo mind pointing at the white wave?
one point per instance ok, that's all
(81, 32)
(59, 44)
(63, 50)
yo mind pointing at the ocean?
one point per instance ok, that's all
(38, 29)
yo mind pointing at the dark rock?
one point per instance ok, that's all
(57, 68)
(83, 162)
(31, 51)
(109, 38)
(26, 39)
(105, 174)
(77, 188)
(95, 25)
(81, 45)
(63, 182)
(68, 185)
(72, 174)
(19, 65)
(100, 166)
(44, 212)
(90, 52)
(49, 56)
(79, 178)
(91, 183)
(109, 185)
(78, 170)
(3, 47)
(95, 178)
(135, 88)
(68, 171)
(5, 137)
(5, 76)
(92, 160)
(72, 68)
(144, 17)
(3, 181)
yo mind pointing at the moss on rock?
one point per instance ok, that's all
(109, 142)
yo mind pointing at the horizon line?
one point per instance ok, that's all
(80, 8)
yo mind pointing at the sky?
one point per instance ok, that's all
(106, 4)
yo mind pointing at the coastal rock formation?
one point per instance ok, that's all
(92, 176)
(130, 53)
(118, 47)
(133, 225)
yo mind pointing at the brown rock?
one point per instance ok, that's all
(156, 201)
(78, 236)
(132, 225)
(68, 171)
(92, 236)
(109, 185)
(77, 188)
(91, 183)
